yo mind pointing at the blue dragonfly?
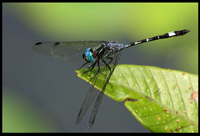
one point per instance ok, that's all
(103, 54)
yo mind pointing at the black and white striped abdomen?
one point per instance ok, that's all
(167, 35)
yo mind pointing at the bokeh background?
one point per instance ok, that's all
(43, 94)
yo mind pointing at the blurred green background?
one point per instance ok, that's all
(43, 94)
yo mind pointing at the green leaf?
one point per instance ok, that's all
(162, 100)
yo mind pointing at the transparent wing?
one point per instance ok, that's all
(104, 70)
(67, 51)
(89, 98)
(107, 72)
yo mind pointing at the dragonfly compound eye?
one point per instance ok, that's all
(89, 57)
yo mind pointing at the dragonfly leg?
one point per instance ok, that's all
(106, 65)
(90, 68)
(83, 65)
(96, 72)
(110, 84)
(110, 60)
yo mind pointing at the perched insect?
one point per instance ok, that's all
(100, 53)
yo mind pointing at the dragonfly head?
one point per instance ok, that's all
(88, 56)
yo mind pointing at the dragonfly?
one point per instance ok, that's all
(103, 54)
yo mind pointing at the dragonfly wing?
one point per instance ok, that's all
(86, 103)
(108, 74)
(67, 51)
(88, 99)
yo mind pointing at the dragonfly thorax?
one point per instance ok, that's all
(88, 56)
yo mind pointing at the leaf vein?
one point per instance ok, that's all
(180, 93)
(145, 79)
(168, 89)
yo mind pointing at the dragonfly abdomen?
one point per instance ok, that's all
(167, 35)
